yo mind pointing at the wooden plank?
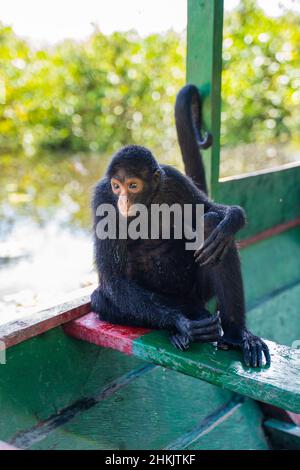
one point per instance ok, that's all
(40, 431)
(204, 64)
(277, 318)
(282, 435)
(264, 272)
(241, 430)
(93, 330)
(50, 372)
(278, 385)
(269, 199)
(37, 323)
(5, 446)
(271, 232)
(147, 414)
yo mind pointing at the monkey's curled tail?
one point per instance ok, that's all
(188, 120)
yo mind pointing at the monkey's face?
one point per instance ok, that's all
(129, 191)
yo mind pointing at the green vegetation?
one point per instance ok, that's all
(64, 110)
(92, 96)
(261, 79)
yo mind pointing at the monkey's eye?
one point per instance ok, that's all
(133, 186)
(116, 186)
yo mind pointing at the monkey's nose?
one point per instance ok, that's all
(123, 205)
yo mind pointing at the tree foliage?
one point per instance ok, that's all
(90, 96)
(261, 78)
(65, 109)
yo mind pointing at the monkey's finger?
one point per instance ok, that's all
(259, 355)
(206, 338)
(208, 248)
(220, 257)
(210, 237)
(246, 353)
(180, 342)
(212, 329)
(223, 253)
(217, 328)
(213, 239)
(253, 355)
(216, 234)
(266, 353)
(209, 251)
(213, 258)
(210, 320)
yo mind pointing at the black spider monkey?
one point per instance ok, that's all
(157, 283)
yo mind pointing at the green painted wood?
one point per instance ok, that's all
(204, 62)
(242, 430)
(278, 318)
(49, 372)
(285, 436)
(268, 198)
(270, 266)
(147, 414)
(65, 440)
(278, 385)
(272, 287)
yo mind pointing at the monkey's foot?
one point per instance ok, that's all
(180, 341)
(252, 347)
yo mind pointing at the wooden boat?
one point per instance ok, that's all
(71, 381)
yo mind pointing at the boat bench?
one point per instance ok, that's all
(276, 387)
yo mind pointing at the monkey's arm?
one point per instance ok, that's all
(232, 219)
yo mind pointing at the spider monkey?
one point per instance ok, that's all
(157, 283)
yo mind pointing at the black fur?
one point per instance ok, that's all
(158, 283)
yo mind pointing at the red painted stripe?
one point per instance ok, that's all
(295, 417)
(271, 232)
(271, 411)
(5, 446)
(93, 330)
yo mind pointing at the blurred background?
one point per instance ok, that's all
(80, 79)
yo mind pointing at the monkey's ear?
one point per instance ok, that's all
(156, 176)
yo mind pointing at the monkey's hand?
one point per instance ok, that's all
(252, 347)
(214, 248)
(206, 330)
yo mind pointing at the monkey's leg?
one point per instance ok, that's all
(227, 284)
(125, 303)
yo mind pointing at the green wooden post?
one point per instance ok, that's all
(204, 66)
(269, 198)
